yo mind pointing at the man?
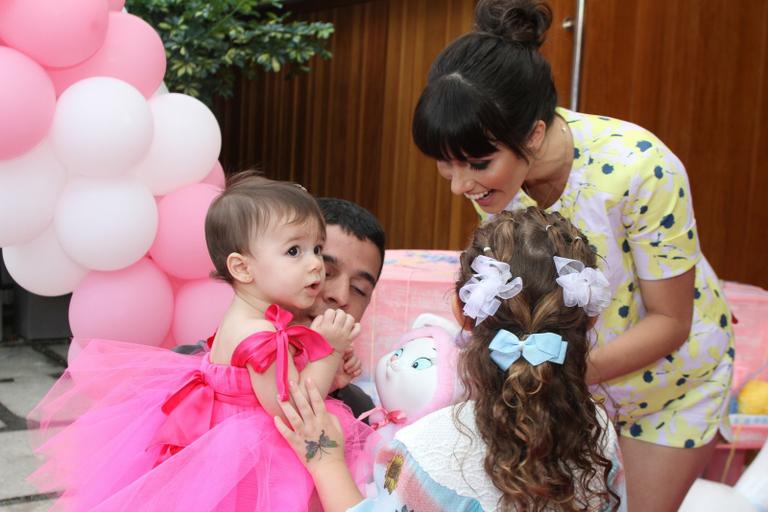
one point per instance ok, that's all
(354, 256)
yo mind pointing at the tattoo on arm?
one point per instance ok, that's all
(315, 447)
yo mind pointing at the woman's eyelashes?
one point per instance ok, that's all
(479, 165)
(447, 169)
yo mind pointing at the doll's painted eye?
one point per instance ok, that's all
(422, 363)
(397, 353)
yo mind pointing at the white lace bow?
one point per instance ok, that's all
(585, 287)
(491, 282)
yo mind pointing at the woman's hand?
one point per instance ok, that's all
(314, 433)
(664, 328)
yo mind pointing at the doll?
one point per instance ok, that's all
(417, 377)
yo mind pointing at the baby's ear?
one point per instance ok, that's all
(458, 313)
(239, 269)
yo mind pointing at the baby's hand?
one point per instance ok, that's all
(350, 369)
(338, 327)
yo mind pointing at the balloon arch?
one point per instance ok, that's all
(105, 177)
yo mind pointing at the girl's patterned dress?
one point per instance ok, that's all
(433, 466)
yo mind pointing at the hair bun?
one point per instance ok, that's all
(519, 21)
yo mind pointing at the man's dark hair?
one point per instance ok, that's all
(354, 220)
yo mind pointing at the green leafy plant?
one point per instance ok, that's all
(208, 41)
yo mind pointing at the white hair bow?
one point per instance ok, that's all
(492, 281)
(585, 287)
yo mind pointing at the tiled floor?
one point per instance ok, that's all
(27, 371)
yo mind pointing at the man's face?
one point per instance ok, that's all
(351, 270)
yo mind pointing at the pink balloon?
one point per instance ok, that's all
(27, 102)
(132, 52)
(179, 247)
(176, 283)
(169, 341)
(116, 5)
(134, 304)
(216, 176)
(56, 33)
(200, 306)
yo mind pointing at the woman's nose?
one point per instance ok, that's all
(460, 181)
(460, 184)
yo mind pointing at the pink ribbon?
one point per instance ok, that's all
(395, 417)
(189, 412)
(272, 347)
(189, 409)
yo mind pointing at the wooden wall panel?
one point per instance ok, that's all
(345, 129)
(322, 129)
(415, 204)
(694, 73)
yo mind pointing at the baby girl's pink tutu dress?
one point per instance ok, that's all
(131, 427)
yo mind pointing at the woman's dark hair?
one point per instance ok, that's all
(249, 205)
(541, 428)
(489, 86)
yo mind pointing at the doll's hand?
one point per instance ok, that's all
(350, 369)
(337, 327)
(313, 433)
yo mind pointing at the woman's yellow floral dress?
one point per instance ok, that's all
(630, 195)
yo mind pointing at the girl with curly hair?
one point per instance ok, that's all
(529, 437)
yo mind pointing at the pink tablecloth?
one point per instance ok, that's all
(412, 282)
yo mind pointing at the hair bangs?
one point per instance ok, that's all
(290, 207)
(454, 121)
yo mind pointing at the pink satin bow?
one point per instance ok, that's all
(272, 347)
(395, 417)
(189, 412)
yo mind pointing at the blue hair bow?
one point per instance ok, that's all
(506, 348)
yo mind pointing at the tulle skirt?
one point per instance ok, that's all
(97, 438)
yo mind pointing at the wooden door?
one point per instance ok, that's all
(691, 71)
(694, 72)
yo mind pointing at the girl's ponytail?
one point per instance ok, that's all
(538, 420)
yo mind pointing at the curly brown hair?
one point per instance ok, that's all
(539, 423)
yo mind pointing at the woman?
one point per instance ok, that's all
(664, 348)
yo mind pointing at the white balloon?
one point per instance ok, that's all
(42, 267)
(102, 127)
(162, 89)
(106, 224)
(30, 184)
(185, 146)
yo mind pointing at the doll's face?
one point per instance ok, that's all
(406, 378)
